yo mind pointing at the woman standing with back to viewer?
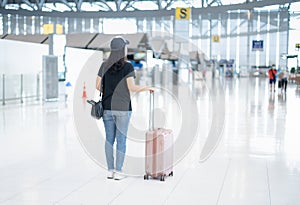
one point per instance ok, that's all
(118, 80)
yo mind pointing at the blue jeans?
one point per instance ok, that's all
(116, 126)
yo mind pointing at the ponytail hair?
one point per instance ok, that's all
(115, 61)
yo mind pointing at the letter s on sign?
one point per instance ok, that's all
(183, 14)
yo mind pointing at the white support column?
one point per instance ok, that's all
(1, 24)
(238, 42)
(268, 41)
(182, 33)
(288, 39)
(145, 25)
(219, 52)
(277, 41)
(210, 37)
(250, 19)
(257, 53)
(199, 43)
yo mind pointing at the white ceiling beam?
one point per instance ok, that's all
(153, 13)
(118, 4)
(28, 4)
(67, 4)
(169, 3)
(40, 4)
(106, 4)
(159, 4)
(3, 3)
(78, 4)
(129, 4)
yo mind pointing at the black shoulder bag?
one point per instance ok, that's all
(97, 108)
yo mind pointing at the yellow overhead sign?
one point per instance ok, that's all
(216, 38)
(59, 29)
(183, 13)
(49, 29)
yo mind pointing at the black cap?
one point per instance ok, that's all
(118, 43)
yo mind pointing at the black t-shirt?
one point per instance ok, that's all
(116, 95)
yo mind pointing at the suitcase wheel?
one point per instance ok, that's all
(146, 177)
(171, 173)
(162, 178)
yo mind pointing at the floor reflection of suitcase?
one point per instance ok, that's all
(279, 83)
(159, 149)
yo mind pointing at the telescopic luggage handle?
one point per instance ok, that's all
(151, 111)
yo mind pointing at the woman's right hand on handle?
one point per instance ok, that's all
(151, 89)
(137, 88)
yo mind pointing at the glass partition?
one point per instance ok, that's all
(19, 88)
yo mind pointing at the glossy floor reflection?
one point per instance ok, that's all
(257, 160)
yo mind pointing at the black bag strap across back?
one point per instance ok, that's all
(101, 86)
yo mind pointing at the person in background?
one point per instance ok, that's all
(118, 81)
(284, 80)
(272, 77)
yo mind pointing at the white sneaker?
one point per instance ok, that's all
(110, 174)
(119, 176)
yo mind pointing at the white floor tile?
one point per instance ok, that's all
(256, 162)
(284, 182)
(246, 182)
(99, 191)
(201, 184)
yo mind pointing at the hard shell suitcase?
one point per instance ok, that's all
(159, 149)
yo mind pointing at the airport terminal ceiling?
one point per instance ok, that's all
(134, 5)
(236, 22)
(54, 11)
(119, 5)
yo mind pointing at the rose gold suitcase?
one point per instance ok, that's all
(159, 149)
